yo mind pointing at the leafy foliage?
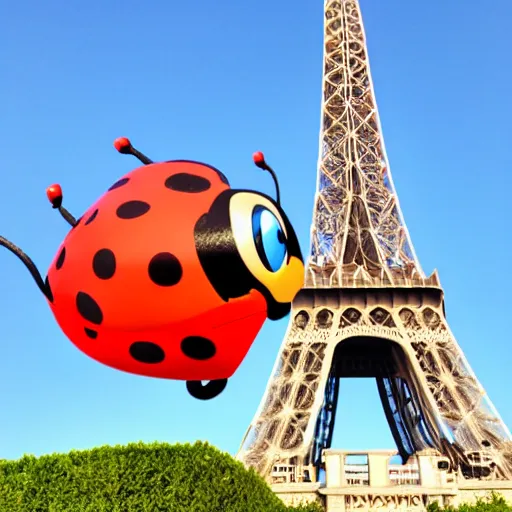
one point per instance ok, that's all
(137, 478)
(495, 503)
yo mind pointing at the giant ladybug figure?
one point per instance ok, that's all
(171, 273)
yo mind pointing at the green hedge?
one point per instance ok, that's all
(136, 478)
(495, 503)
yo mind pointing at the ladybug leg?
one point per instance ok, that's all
(208, 391)
(44, 287)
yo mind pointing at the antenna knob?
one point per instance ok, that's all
(54, 194)
(123, 145)
(259, 160)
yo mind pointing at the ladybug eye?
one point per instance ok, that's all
(269, 238)
(266, 244)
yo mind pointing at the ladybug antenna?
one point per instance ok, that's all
(259, 160)
(43, 286)
(54, 193)
(124, 146)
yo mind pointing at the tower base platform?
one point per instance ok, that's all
(373, 483)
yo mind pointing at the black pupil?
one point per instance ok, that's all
(280, 237)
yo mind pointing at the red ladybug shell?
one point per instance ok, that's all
(128, 287)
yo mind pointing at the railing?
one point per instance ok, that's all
(284, 474)
(404, 475)
(398, 475)
(357, 474)
(316, 278)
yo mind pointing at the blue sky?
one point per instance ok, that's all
(215, 81)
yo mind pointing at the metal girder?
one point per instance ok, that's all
(366, 299)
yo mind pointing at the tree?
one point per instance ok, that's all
(137, 478)
(495, 503)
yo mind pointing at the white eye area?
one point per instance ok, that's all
(260, 233)
(268, 222)
(269, 238)
(260, 236)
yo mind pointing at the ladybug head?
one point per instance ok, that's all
(246, 242)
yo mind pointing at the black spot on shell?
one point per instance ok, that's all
(132, 209)
(147, 352)
(164, 269)
(60, 259)
(91, 218)
(104, 264)
(89, 308)
(185, 182)
(91, 333)
(119, 183)
(222, 177)
(198, 348)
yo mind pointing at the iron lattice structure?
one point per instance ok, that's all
(367, 309)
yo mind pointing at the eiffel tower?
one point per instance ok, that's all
(367, 309)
